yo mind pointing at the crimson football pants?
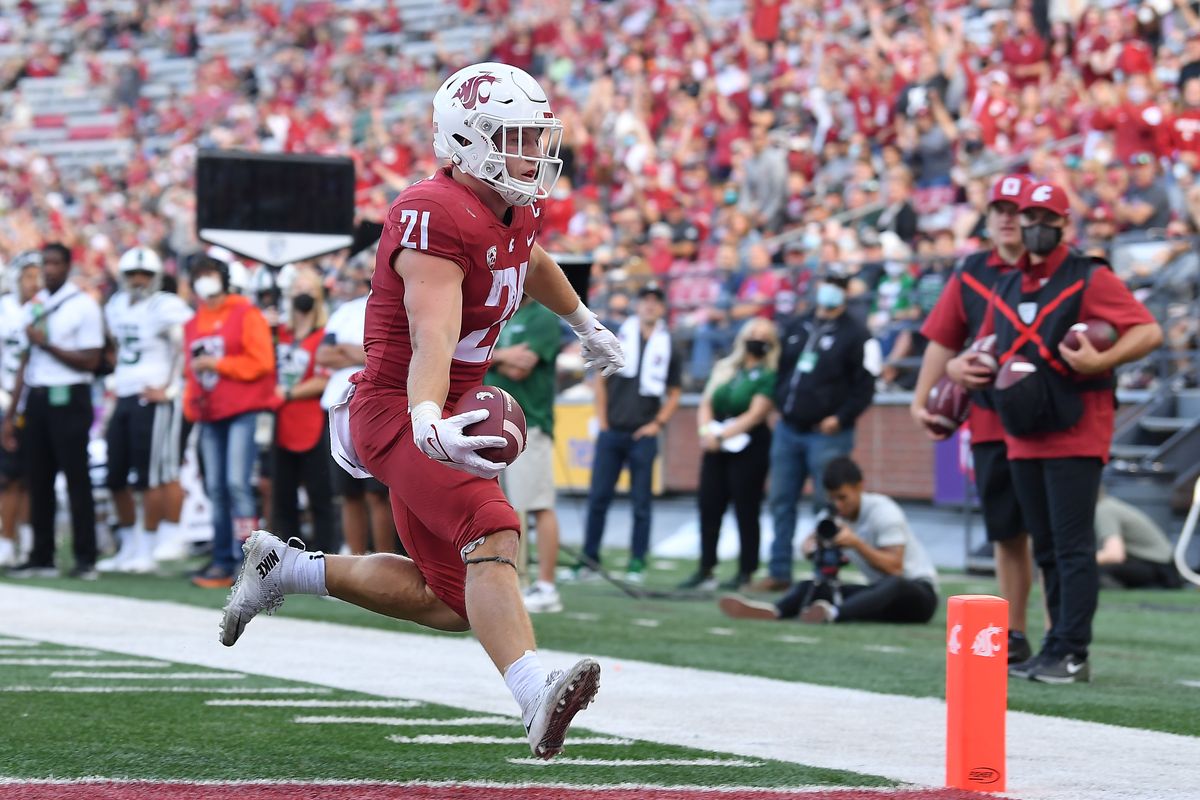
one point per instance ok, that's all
(438, 510)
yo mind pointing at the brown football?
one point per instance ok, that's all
(506, 418)
(1015, 370)
(1101, 334)
(983, 352)
(949, 405)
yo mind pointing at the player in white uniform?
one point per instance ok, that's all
(24, 281)
(143, 432)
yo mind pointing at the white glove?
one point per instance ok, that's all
(443, 440)
(601, 349)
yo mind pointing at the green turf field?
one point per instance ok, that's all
(227, 726)
(1141, 658)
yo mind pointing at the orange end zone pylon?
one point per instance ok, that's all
(976, 691)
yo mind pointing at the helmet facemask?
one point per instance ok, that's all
(511, 139)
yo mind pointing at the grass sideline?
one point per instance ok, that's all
(158, 735)
(1143, 649)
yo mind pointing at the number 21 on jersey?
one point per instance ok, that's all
(408, 220)
(507, 284)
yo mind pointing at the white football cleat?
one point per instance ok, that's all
(256, 589)
(564, 695)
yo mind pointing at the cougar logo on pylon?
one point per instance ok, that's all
(953, 645)
(471, 93)
(984, 642)
(484, 395)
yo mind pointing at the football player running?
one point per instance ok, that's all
(456, 254)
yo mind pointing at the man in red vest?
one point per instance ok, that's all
(1058, 414)
(230, 374)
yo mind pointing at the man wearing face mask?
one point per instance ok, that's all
(821, 389)
(147, 325)
(230, 374)
(1058, 417)
(953, 323)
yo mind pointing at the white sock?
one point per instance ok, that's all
(168, 529)
(124, 534)
(302, 572)
(525, 677)
(833, 612)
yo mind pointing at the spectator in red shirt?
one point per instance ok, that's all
(1185, 125)
(1025, 51)
(301, 451)
(1137, 122)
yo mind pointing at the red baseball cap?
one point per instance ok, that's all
(1049, 196)
(1008, 189)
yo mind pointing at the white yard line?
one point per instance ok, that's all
(1050, 758)
(315, 703)
(564, 761)
(19, 643)
(454, 722)
(81, 662)
(150, 676)
(58, 653)
(441, 738)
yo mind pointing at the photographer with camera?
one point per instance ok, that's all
(870, 531)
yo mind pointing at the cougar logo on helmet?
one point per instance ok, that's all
(471, 92)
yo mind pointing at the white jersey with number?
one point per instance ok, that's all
(12, 340)
(146, 351)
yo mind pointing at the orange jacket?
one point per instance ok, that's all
(245, 373)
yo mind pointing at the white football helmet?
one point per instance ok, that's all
(473, 114)
(141, 259)
(21, 262)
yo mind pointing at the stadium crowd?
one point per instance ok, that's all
(730, 152)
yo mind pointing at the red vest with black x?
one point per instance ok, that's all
(1032, 324)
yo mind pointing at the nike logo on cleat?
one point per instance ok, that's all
(1075, 668)
(267, 564)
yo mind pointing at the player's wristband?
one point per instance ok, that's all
(425, 413)
(581, 320)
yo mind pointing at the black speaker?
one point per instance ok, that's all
(578, 269)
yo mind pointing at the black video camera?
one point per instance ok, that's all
(828, 558)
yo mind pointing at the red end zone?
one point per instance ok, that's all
(370, 791)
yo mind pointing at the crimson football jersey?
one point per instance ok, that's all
(441, 217)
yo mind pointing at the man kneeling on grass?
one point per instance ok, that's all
(873, 531)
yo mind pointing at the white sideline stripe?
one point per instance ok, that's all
(645, 623)
(75, 662)
(902, 738)
(19, 643)
(722, 632)
(442, 738)
(790, 639)
(1193, 684)
(167, 689)
(635, 762)
(406, 722)
(64, 653)
(884, 648)
(884, 794)
(153, 676)
(316, 703)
